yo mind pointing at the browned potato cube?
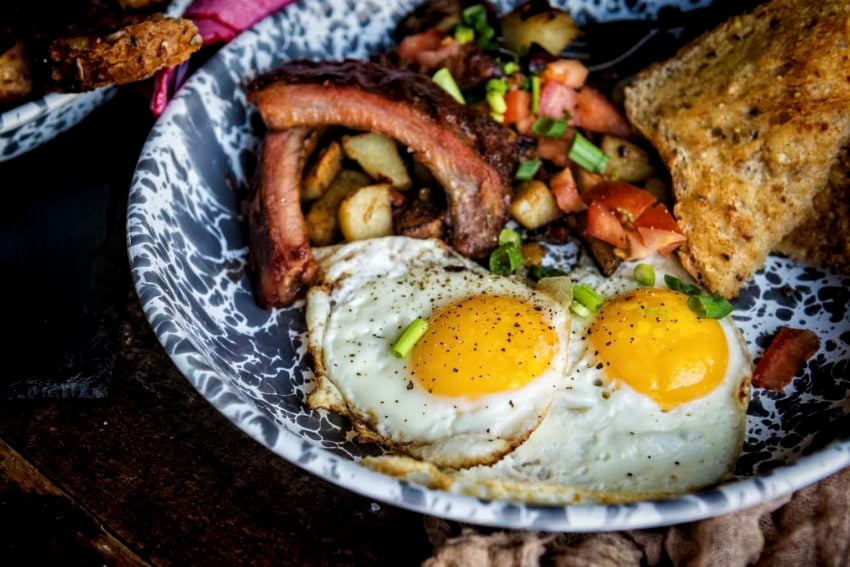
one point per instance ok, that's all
(626, 161)
(552, 30)
(322, 225)
(366, 213)
(324, 171)
(534, 205)
(379, 157)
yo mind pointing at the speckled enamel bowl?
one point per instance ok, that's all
(188, 254)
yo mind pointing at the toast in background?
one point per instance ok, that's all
(750, 118)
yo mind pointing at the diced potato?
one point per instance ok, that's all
(366, 213)
(379, 157)
(626, 161)
(534, 205)
(549, 28)
(322, 225)
(324, 171)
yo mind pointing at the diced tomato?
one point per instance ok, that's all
(585, 180)
(566, 194)
(595, 113)
(603, 224)
(557, 101)
(637, 249)
(626, 201)
(787, 353)
(554, 150)
(659, 229)
(412, 45)
(568, 72)
(519, 106)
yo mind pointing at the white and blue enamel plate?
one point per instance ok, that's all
(188, 251)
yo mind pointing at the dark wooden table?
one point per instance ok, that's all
(152, 473)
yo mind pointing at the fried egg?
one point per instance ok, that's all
(474, 386)
(654, 405)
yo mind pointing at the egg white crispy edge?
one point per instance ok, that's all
(325, 394)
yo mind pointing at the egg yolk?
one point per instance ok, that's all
(650, 340)
(482, 345)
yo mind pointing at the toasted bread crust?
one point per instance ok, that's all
(127, 53)
(750, 119)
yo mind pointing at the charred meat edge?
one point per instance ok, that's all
(281, 260)
(470, 155)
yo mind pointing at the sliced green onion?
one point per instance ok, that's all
(645, 275)
(588, 297)
(506, 259)
(508, 236)
(499, 86)
(710, 306)
(584, 153)
(485, 35)
(510, 67)
(535, 94)
(676, 284)
(527, 169)
(445, 81)
(497, 102)
(475, 15)
(540, 272)
(402, 347)
(464, 34)
(559, 288)
(500, 118)
(549, 127)
(579, 309)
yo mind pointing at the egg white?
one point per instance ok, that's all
(608, 443)
(369, 292)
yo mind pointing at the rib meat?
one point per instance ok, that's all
(470, 155)
(281, 259)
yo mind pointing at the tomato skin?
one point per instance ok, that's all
(657, 216)
(603, 224)
(595, 113)
(627, 201)
(519, 106)
(569, 72)
(659, 230)
(566, 193)
(557, 101)
(554, 150)
(787, 353)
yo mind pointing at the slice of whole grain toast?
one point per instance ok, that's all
(750, 118)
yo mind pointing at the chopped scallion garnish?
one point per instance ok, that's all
(645, 275)
(506, 259)
(497, 102)
(464, 34)
(475, 17)
(549, 127)
(579, 309)
(535, 94)
(499, 86)
(402, 347)
(500, 118)
(510, 67)
(527, 169)
(584, 153)
(446, 81)
(712, 306)
(508, 236)
(676, 284)
(588, 297)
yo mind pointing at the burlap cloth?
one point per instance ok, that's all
(812, 527)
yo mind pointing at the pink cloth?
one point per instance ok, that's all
(218, 21)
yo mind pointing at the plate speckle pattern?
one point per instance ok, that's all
(188, 251)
